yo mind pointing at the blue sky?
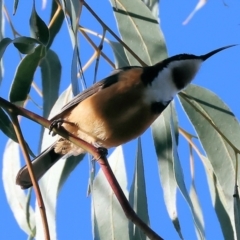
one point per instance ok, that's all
(215, 25)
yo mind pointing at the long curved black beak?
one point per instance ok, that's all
(208, 55)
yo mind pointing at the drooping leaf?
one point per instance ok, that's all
(15, 5)
(142, 33)
(6, 126)
(24, 75)
(16, 197)
(218, 198)
(178, 173)
(39, 29)
(153, 6)
(119, 55)
(55, 27)
(138, 196)
(51, 75)
(161, 131)
(220, 154)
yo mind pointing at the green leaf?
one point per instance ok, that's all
(153, 6)
(178, 173)
(55, 27)
(51, 75)
(196, 205)
(6, 126)
(142, 33)
(39, 29)
(74, 79)
(161, 130)
(15, 5)
(220, 155)
(119, 55)
(16, 197)
(24, 44)
(138, 196)
(218, 199)
(24, 75)
(109, 219)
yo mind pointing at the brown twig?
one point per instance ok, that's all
(82, 30)
(113, 34)
(129, 212)
(32, 176)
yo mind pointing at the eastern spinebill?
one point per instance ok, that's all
(119, 108)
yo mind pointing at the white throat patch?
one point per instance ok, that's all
(163, 89)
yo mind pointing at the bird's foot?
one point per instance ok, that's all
(103, 152)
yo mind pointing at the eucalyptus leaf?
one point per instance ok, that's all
(219, 154)
(119, 55)
(56, 25)
(15, 5)
(161, 131)
(39, 29)
(142, 33)
(6, 126)
(16, 197)
(51, 75)
(24, 75)
(138, 196)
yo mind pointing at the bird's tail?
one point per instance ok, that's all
(40, 166)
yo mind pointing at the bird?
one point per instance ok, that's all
(118, 108)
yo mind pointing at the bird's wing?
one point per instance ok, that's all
(106, 82)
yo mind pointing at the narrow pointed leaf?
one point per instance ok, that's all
(164, 148)
(51, 74)
(24, 75)
(197, 217)
(142, 33)
(16, 197)
(119, 55)
(138, 196)
(15, 5)
(6, 126)
(39, 29)
(196, 205)
(55, 27)
(218, 200)
(220, 154)
(153, 6)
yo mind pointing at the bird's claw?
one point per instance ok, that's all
(103, 152)
(55, 124)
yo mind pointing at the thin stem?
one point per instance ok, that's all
(129, 212)
(189, 140)
(32, 176)
(114, 35)
(82, 30)
(99, 50)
